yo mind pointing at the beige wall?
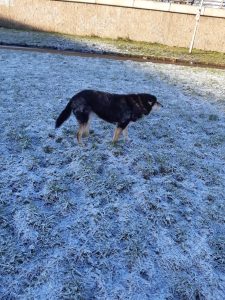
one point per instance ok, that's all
(158, 22)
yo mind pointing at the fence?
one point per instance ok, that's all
(206, 3)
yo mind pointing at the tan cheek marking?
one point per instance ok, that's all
(156, 107)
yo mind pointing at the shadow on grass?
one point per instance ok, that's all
(16, 33)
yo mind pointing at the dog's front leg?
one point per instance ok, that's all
(121, 127)
(117, 134)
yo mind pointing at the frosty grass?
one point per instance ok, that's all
(139, 220)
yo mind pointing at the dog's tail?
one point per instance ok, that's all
(64, 115)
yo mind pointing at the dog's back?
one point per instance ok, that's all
(113, 108)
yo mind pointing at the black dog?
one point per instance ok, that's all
(113, 108)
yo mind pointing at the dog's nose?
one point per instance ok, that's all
(158, 104)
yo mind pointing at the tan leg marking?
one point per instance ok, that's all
(117, 134)
(80, 132)
(125, 133)
(86, 130)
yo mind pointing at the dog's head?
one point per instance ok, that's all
(152, 101)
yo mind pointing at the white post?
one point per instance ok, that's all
(196, 25)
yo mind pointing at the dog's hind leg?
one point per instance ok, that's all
(125, 133)
(86, 129)
(82, 129)
(82, 118)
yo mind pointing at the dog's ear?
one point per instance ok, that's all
(152, 99)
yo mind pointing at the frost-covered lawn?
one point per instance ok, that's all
(142, 220)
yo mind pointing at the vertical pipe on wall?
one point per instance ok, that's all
(196, 25)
